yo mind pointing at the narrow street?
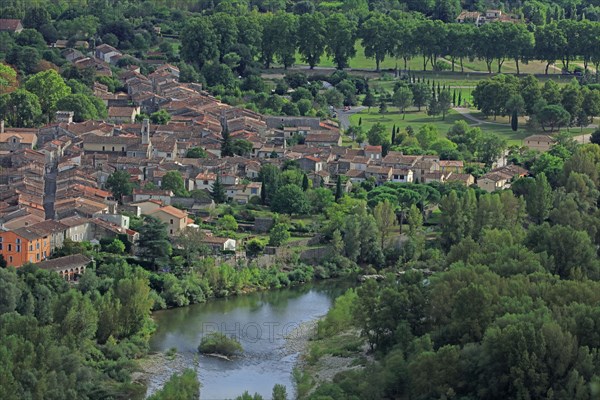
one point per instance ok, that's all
(50, 190)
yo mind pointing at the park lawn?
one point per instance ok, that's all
(416, 119)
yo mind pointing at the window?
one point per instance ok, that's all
(37, 256)
(171, 231)
(37, 246)
(103, 148)
(1, 246)
(18, 241)
(18, 248)
(253, 191)
(30, 247)
(9, 247)
(10, 259)
(171, 222)
(113, 148)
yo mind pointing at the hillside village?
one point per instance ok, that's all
(53, 178)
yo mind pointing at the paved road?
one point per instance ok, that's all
(344, 116)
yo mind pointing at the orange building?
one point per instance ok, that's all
(27, 244)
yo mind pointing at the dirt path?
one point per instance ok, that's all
(465, 112)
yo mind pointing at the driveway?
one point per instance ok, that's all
(344, 116)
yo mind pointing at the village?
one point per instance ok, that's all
(53, 180)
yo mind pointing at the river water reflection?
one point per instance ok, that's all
(262, 322)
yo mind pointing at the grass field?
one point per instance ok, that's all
(417, 119)
(415, 64)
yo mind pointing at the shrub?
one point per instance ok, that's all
(218, 343)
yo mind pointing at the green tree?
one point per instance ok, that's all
(228, 223)
(8, 79)
(115, 247)
(375, 33)
(386, 220)
(311, 37)
(279, 392)
(218, 191)
(161, 117)
(340, 38)
(83, 107)
(241, 147)
(305, 182)
(452, 220)
(278, 235)
(135, 298)
(226, 31)
(377, 135)
(290, 199)
(49, 87)
(339, 193)
(196, 152)
(553, 117)
(119, 183)
(199, 42)
(185, 386)
(444, 102)
(414, 219)
(369, 100)
(539, 199)
(286, 26)
(174, 181)
(403, 98)
(421, 94)
(20, 109)
(154, 241)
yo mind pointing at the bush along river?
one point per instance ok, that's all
(272, 327)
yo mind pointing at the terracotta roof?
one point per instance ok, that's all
(92, 138)
(176, 212)
(215, 240)
(25, 137)
(10, 24)
(121, 111)
(64, 263)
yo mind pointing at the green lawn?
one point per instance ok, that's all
(416, 119)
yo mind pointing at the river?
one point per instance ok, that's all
(265, 323)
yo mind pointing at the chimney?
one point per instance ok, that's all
(1, 126)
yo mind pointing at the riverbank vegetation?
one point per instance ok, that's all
(498, 301)
(220, 344)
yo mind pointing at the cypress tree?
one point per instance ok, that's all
(514, 121)
(305, 183)
(454, 97)
(218, 191)
(359, 121)
(459, 99)
(438, 88)
(393, 134)
(263, 192)
(338, 188)
(226, 144)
